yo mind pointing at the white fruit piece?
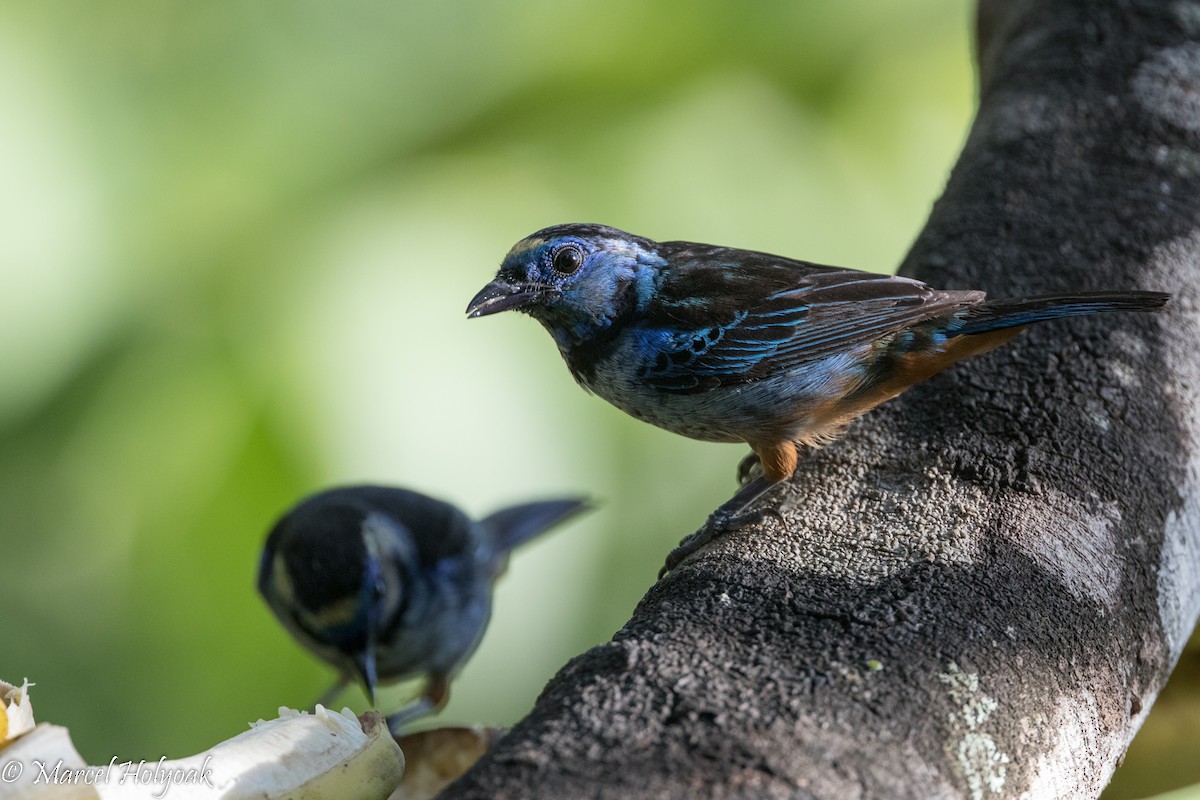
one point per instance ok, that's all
(324, 754)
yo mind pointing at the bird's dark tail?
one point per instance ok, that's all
(997, 314)
(512, 526)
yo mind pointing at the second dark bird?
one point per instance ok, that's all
(730, 345)
(387, 584)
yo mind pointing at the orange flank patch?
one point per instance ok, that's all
(911, 369)
(826, 422)
(916, 367)
(778, 458)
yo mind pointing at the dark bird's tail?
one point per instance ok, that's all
(512, 526)
(994, 315)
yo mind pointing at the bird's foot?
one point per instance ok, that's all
(432, 698)
(729, 516)
(718, 523)
(415, 710)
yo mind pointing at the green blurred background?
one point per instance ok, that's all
(236, 243)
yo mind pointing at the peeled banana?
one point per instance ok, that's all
(297, 755)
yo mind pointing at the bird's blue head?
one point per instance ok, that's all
(575, 279)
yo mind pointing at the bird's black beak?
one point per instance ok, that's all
(365, 662)
(500, 296)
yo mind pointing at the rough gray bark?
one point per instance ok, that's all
(979, 591)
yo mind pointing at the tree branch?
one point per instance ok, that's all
(979, 591)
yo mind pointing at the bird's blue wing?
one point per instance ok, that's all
(715, 323)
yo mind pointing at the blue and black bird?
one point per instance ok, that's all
(730, 345)
(387, 584)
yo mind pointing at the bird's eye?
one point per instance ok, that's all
(567, 259)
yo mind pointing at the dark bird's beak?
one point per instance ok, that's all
(500, 296)
(365, 663)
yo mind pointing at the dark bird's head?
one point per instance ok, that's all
(575, 279)
(329, 575)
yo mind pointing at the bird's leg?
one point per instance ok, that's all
(730, 515)
(770, 463)
(733, 512)
(433, 697)
(332, 692)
